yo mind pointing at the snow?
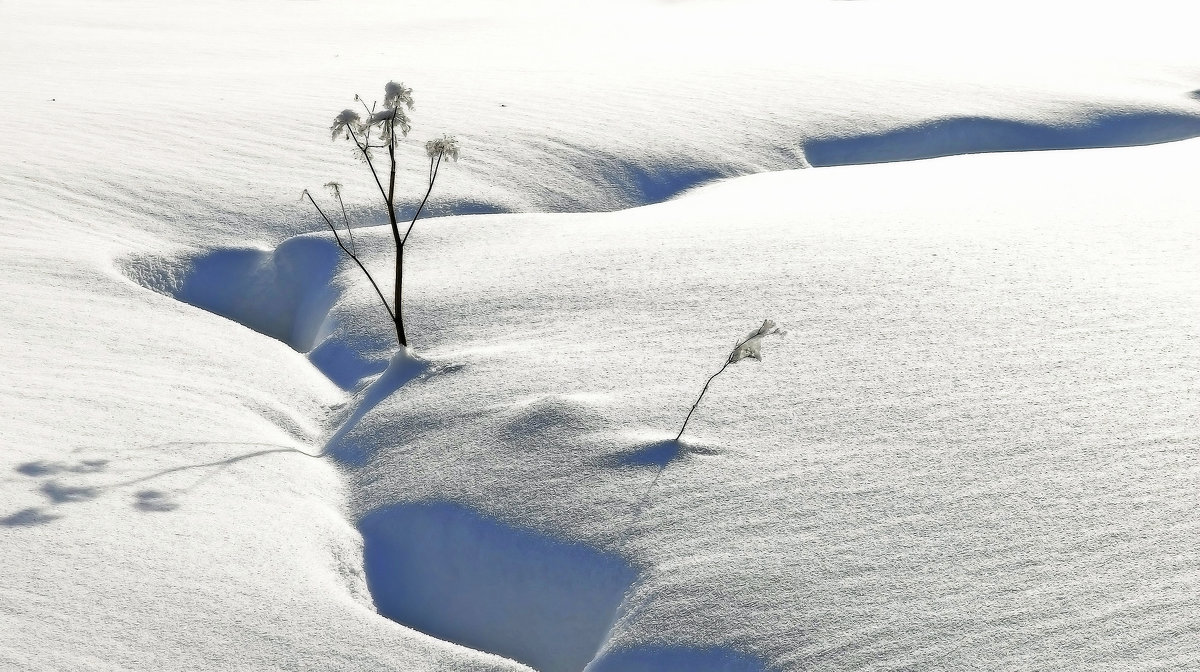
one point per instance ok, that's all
(446, 571)
(973, 449)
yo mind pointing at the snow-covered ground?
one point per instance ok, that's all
(974, 449)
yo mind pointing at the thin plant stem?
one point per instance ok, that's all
(391, 208)
(388, 199)
(702, 391)
(345, 218)
(432, 177)
(351, 254)
(728, 361)
(365, 146)
(367, 157)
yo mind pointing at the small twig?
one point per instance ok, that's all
(367, 156)
(351, 254)
(728, 361)
(432, 177)
(337, 192)
(702, 391)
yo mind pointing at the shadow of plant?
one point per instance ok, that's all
(61, 494)
(146, 500)
(154, 500)
(28, 518)
(657, 455)
(42, 468)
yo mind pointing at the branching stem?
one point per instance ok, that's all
(360, 133)
(345, 218)
(367, 156)
(364, 146)
(433, 171)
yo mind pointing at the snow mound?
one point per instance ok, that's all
(547, 418)
(457, 575)
(659, 453)
(403, 367)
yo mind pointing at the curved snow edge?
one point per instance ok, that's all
(460, 576)
(978, 134)
(286, 293)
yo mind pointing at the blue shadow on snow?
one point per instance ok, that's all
(284, 293)
(463, 577)
(654, 185)
(967, 135)
(28, 518)
(343, 363)
(658, 454)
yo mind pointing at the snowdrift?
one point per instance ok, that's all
(974, 450)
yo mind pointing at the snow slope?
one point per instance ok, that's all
(973, 450)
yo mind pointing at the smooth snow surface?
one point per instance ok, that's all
(975, 448)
